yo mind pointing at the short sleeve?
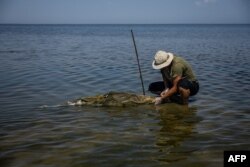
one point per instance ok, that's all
(177, 70)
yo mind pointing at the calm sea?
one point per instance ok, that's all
(48, 65)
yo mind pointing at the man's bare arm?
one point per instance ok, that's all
(172, 90)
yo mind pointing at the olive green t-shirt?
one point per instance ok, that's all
(179, 67)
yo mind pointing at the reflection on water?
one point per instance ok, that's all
(177, 124)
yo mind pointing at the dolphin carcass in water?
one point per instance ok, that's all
(115, 99)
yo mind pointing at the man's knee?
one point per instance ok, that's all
(184, 92)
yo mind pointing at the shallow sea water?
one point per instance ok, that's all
(47, 65)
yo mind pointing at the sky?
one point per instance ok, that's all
(125, 11)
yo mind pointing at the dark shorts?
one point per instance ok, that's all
(158, 87)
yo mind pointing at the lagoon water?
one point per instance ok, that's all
(44, 66)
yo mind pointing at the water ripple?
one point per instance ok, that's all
(51, 64)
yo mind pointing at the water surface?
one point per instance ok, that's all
(51, 64)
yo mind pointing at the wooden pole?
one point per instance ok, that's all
(142, 84)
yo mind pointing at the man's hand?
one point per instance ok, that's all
(158, 100)
(164, 92)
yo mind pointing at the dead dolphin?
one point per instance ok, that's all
(114, 99)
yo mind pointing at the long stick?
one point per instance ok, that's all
(139, 67)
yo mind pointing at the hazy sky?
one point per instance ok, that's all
(124, 11)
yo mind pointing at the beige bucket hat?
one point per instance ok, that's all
(162, 59)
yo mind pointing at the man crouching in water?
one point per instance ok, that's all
(179, 81)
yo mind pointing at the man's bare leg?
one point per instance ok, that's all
(185, 93)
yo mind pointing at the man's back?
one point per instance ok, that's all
(181, 67)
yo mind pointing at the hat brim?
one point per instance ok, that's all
(165, 64)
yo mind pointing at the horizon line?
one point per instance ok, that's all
(124, 23)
